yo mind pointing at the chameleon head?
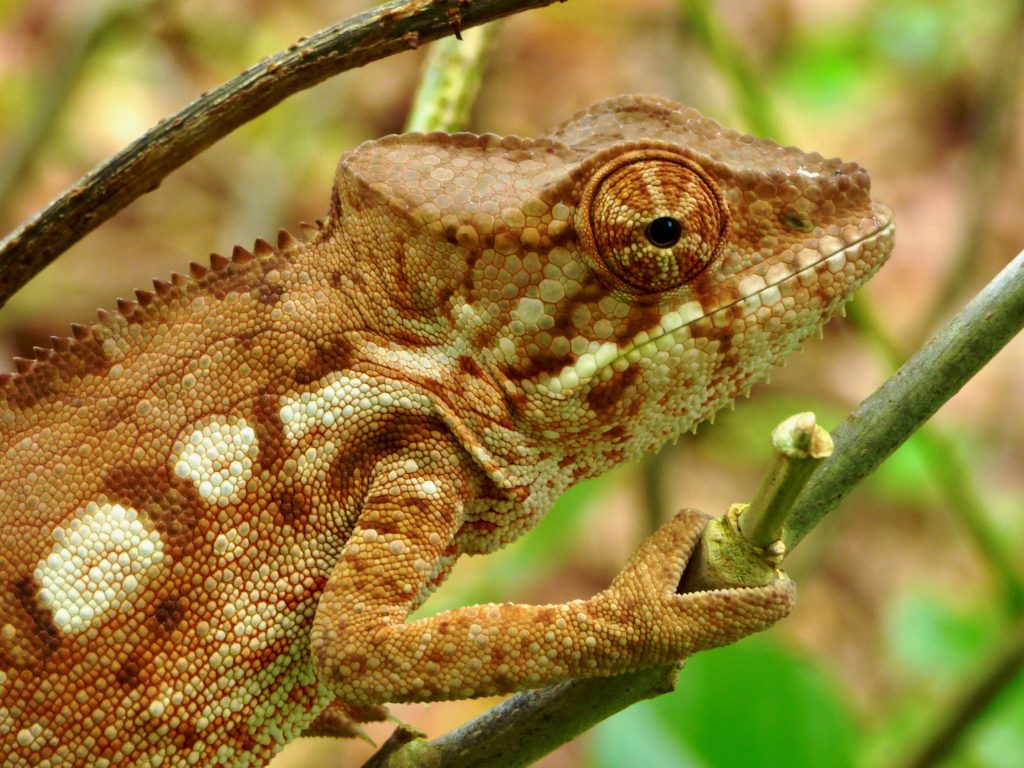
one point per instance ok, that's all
(627, 275)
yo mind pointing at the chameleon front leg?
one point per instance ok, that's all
(363, 646)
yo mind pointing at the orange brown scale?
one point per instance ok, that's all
(219, 503)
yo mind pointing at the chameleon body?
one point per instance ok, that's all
(219, 503)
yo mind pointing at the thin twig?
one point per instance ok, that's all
(958, 489)
(800, 444)
(652, 481)
(450, 81)
(744, 547)
(141, 166)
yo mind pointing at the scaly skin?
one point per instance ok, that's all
(219, 504)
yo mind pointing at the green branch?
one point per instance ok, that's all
(451, 81)
(733, 61)
(987, 164)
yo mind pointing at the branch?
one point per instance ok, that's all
(529, 725)
(912, 395)
(734, 63)
(142, 165)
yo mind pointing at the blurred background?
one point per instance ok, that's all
(905, 647)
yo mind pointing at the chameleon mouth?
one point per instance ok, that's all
(755, 291)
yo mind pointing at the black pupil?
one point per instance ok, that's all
(664, 232)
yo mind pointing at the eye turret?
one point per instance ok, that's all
(653, 220)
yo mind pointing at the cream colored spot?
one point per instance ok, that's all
(217, 457)
(102, 560)
(342, 398)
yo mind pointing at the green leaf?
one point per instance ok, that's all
(751, 705)
(637, 736)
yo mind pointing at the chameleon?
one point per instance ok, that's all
(220, 502)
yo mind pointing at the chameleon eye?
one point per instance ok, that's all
(653, 221)
(663, 232)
